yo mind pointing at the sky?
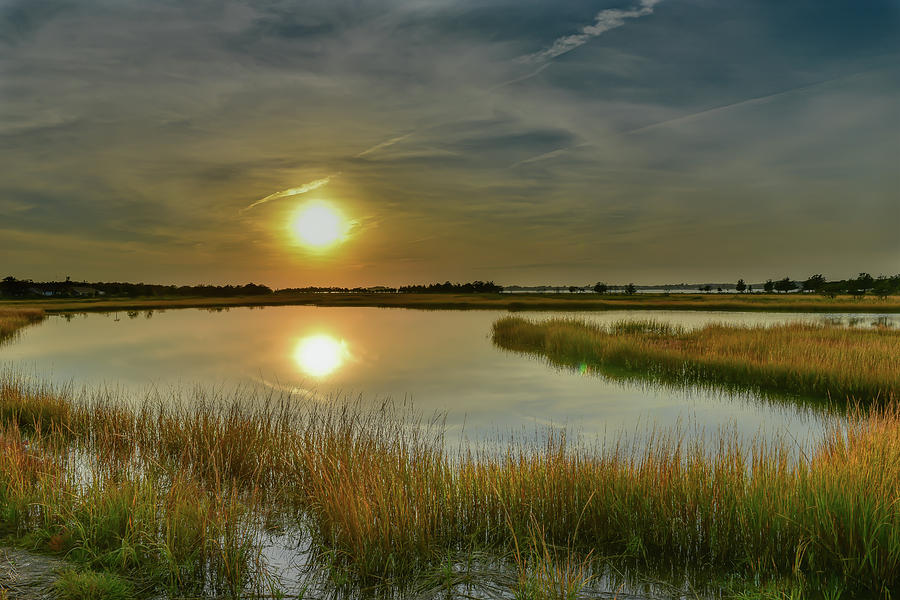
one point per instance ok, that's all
(519, 141)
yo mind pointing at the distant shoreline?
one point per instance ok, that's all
(511, 302)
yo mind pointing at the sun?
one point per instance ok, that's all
(319, 225)
(320, 355)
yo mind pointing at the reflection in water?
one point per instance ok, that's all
(320, 355)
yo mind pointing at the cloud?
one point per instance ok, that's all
(605, 20)
(306, 187)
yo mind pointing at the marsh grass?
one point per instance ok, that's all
(90, 585)
(178, 497)
(14, 319)
(824, 361)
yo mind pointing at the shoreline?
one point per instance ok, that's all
(510, 302)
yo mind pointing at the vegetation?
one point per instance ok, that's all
(183, 496)
(89, 585)
(179, 497)
(11, 320)
(475, 287)
(816, 360)
(513, 302)
(11, 287)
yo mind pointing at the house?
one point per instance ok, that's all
(85, 291)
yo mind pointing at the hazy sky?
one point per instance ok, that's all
(521, 141)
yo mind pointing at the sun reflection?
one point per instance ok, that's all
(320, 355)
(319, 225)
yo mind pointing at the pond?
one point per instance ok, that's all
(440, 361)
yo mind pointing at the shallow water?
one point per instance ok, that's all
(441, 361)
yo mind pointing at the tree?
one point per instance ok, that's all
(785, 285)
(865, 282)
(883, 287)
(741, 286)
(768, 286)
(600, 287)
(833, 288)
(630, 289)
(814, 283)
(574, 289)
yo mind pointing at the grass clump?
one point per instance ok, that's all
(14, 319)
(91, 585)
(824, 361)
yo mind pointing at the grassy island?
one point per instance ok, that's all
(825, 361)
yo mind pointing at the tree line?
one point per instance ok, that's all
(882, 286)
(11, 287)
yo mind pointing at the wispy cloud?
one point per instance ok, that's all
(605, 20)
(306, 187)
(383, 145)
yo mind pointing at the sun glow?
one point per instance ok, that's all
(320, 355)
(319, 225)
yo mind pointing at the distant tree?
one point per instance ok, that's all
(8, 286)
(883, 287)
(630, 289)
(814, 283)
(574, 289)
(706, 288)
(768, 286)
(600, 287)
(833, 288)
(741, 286)
(718, 289)
(785, 285)
(865, 282)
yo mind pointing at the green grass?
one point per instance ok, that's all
(89, 585)
(814, 360)
(177, 497)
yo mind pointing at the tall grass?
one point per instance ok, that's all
(815, 360)
(178, 497)
(13, 319)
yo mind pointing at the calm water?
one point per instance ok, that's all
(443, 361)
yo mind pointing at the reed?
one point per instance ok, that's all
(14, 319)
(825, 361)
(178, 496)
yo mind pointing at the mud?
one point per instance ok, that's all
(27, 576)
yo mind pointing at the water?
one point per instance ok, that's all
(441, 361)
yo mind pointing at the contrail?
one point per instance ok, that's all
(534, 73)
(725, 107)
(605, 20)
(383, 145)
(306, 187)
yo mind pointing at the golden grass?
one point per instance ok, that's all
(180, 495)
(816, 360)
(569, 302)
(14, 319)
